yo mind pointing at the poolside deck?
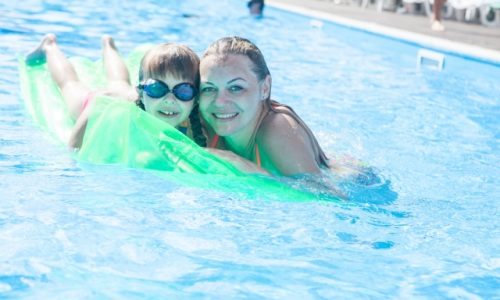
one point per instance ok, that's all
(473, 35)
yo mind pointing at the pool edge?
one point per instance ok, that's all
(485, 55)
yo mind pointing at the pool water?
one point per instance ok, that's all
(80, 231)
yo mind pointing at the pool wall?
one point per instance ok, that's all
(420, 40)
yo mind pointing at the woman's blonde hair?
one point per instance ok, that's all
(236, 45)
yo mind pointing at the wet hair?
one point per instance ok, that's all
(236, 45)
(181, 62)
(177, 60)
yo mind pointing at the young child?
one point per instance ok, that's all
(168, 80)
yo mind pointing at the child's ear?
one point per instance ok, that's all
(140, 92)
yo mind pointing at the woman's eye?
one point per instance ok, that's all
(235, 89)
(208, 90)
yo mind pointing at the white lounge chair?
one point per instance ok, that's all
(489, 10)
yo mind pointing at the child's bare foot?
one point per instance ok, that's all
(107, 41)
(38, 57)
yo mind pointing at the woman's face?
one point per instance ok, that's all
(230, 94)
(168, 108)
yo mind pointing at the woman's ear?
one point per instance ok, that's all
(265, 88)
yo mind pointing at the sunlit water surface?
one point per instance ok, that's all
(76, 231)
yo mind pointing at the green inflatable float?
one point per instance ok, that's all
(118, 132)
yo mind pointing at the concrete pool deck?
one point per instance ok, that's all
(464, 38)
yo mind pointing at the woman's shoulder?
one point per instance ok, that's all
(286, 144)
(279, 118)
(279, 126)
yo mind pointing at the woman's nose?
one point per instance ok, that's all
(220, 99)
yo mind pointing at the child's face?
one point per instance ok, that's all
(168, 108)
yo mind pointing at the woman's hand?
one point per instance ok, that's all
(239, 162)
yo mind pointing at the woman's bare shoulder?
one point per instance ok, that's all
(278, 123)
(287, 145)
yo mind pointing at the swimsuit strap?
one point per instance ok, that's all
(257, 155)
(87, 100)
(183, 127)
(214, 141)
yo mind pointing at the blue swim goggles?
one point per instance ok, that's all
(155, 88)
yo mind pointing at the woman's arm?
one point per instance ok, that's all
(239, 162)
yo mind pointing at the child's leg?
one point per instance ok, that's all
(63, 73)
(118, 78)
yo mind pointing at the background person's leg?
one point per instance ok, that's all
(436, 21)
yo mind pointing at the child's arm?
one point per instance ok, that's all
(78, 131)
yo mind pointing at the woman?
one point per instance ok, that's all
(235, 102)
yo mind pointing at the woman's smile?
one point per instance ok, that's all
(225, 116)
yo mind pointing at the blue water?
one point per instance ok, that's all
(76, 231)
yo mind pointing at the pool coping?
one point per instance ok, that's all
(438, 44)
